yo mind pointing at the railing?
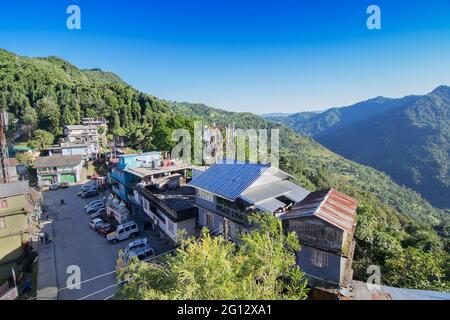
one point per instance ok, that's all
(233, 213)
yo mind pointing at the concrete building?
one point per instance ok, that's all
(15, 205)
(169, 204)
(58, 169)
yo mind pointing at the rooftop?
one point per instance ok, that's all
(329, 205)
(13, 189)
(229, 180)
(58, 161)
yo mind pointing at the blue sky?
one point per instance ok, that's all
(245, 55)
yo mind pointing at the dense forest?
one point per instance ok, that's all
(397, 229)
(407, 138)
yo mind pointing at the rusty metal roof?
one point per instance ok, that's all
(329, 205)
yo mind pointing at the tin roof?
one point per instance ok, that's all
(229, 180)
(329, 205)
(13, 189)
(367, 291)
(58, 161)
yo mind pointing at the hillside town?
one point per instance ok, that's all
(88, 203)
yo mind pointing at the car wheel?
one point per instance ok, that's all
(114, 241)
(132, 235)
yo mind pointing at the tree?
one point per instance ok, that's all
(414, 268)
(24, 158)
(261, 267)
(41, 140)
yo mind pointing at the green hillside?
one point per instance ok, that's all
(394, 224)
(407, 138)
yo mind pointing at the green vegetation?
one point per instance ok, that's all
(391, 218)
(408, 138)
(262, 267)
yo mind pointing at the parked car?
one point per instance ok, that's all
(64, 185)
(90, 194)
(133, 245)
(95, 223)
(98, 213)
(85, 188)
(54, 186)
(124, 231)
(105, 228)
(141, 254)
(94, 208)
(92, 203)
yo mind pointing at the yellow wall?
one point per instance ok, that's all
(16, 221)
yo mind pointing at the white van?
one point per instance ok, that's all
(124, 231)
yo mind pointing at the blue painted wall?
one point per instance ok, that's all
(331, 272)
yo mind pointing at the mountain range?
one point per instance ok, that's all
(407, 138)
(45, 94)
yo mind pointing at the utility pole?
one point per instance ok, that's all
(4, 159)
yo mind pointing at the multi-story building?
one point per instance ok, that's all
(133, 169)
(58, 169)
(169, 204)
(325, 222)
(81, 133)
(226, 195)
(15, 204)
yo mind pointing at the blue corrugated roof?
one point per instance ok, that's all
(229, 180)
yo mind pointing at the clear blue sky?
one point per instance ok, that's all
(245, 55)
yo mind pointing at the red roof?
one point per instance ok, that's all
(329, 205)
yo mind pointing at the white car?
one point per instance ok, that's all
(95, 223)
(142, 254)
(98, 213)
(54, 186)
(124, 231)
(133, 245)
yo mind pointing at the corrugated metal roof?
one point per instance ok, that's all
(368, 291)
(13, 189)
(58, 161)
(273, 190)
(228, 180)
(270, 205)
(330, 205)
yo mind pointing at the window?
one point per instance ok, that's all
(319, 259)
(170, 226)
(209, 218)
(205, 195)
(4, 203)
(2, 223)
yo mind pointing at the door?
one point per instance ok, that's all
(70, 178)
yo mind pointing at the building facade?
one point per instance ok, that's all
(58, 169)
(325, 222)
(14, 235)
(227, 194)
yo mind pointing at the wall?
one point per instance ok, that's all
(330, 273)
(134, 161)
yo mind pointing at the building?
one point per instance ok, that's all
(58, 169)
(15, 204)
(226, 195)
(124, 180)
(87, 150)
(169, 204)
(130, 170)
(81, 133)
(325, 222)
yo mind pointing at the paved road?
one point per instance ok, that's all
(76, 244)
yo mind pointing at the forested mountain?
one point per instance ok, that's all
(407, 138)
(394, 224)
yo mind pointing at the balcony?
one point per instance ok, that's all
(232, 212)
